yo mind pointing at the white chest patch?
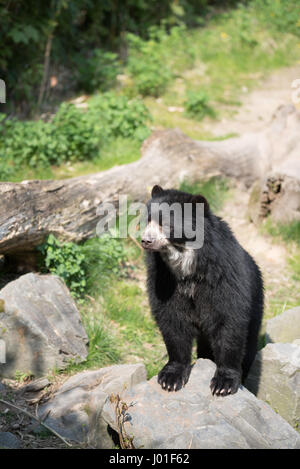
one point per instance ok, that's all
(182, 262)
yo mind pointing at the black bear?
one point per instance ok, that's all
(213, 294)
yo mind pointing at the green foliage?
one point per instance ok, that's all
(294, 264)
(104, 346)
(215, 190)
(75, 134)
(121, 116)
(83, 267)
(287, 295)
(85, 26)
(197, 105)
(288, 232)
(125, 305)
(99, 72)
(99, 31)
(68, 137)
(72, 135)
(280, 15)
(103, 257)
(146, 65)
(67, 261)
(22, 376)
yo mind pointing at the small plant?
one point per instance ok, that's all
(103, 257)
(146, 65)
(67, 261)
(104, 346)
(198, 105)
(23, 377)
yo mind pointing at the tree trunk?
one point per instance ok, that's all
(32, 209)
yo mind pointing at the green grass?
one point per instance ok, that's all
(115, 311)
(140, 341)
(104, 347)
(215, 190)
(287, 232)
(287, 295)
(121, 329)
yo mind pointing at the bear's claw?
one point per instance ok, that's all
(224, 383)
(174, 376)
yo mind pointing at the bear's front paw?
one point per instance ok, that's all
(174, 376)
(225, 381)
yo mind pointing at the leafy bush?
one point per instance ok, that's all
(280, 15)
(69, 136)
(147, 66)
(197, 105)
(120, 116)
(72, 135)
(67, 261)
(87, 267)
(99, 72)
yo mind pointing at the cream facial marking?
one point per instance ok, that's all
(182, 261)
(153, 237)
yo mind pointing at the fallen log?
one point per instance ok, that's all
(30, 210)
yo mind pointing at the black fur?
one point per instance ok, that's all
(222, 312)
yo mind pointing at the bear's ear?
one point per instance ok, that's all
(156, 190)
(199, 199)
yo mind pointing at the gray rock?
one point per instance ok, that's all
(193, 418)
(9, 441)
(275, 378)
(285, 327)
(40, 325)
(76, 408)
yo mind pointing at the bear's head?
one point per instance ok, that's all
(175, 218)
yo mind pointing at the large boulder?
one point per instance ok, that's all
(193, 418)
(285, 327)
(40, 325)
(275, 378)
(75, 410)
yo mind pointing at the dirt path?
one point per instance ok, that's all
(255, 112)
(258, 106)
(268, 253)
